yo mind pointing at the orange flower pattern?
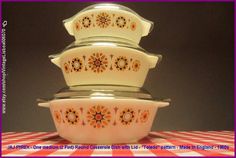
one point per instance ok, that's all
(66, 67)
(133, 26)
(77, 26)
(104, 19)
(57, 116)
(144, 116)
(136, 65)
(98, 116)
(98, 63)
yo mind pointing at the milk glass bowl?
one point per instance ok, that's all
(108, 20)
(103, 114)
(104, 60)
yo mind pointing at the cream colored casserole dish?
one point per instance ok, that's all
(108, 20)
(105, 61)
(103, 114)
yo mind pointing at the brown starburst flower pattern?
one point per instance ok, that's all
(120, 21)
(121, 63)
(86, 22)
(127, 116)
(103, 20)
(77, 64)
(98, 62)
(72, 116)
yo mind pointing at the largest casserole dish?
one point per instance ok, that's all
(103, 114)
(105, 61)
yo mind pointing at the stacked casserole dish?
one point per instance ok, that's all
(104, 70)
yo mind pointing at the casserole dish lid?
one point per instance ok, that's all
(103, 91)
(110, 6)
(110, 20)
(103, 41)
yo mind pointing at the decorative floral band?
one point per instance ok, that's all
(100, 116)
(99, 62)
(104, 20)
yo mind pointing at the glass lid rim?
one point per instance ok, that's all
(109, 91)
(108, 43)
(112, 5)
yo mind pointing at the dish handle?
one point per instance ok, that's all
(56, 61)
(154, 60)
(68, 23)
(43, 103)
(147, 26)
(163, 103)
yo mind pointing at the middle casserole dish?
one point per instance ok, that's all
(105, 61)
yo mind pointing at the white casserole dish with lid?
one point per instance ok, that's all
(103, 114)
(103, 60)
(107, 19)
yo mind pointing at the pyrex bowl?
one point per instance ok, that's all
(105, 61)
(103, 115)
(108, 20)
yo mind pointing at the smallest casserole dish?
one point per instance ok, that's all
(103, 114)
(108, 20)
(105, 61)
